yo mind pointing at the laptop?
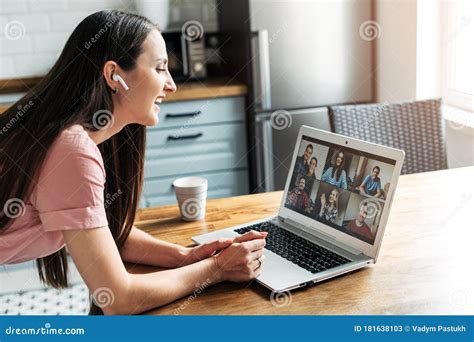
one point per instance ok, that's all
(333, 213)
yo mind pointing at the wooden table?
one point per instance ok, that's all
(425, 264)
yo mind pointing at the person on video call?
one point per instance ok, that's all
(329, 209)
(298, 198)
(358, 226)
(335, 174)
(61, 161)
(312, 168)
(371, 186)
(302, 162)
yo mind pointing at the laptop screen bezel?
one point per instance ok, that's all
(365, 147)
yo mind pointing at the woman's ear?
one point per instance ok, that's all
(110, 67)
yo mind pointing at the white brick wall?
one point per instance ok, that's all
(33, 32)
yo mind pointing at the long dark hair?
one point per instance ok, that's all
(338, 169)
(72, 91)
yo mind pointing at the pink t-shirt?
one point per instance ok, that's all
(69, 195)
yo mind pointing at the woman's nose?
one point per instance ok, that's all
(170, 86)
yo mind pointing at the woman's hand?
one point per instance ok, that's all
(204, 251)
(323, 199)
(242, 260)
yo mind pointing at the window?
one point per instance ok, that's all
(458, 54)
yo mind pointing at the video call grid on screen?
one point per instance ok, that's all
(344, 191)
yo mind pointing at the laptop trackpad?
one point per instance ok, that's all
(225, 233)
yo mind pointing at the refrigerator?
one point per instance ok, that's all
(297, 57)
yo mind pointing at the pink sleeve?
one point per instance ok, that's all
(70, 188)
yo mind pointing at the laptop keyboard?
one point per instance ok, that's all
(294, 248)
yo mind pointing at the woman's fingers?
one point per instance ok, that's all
(254, 245)
(219, 244)
(241, 261)
(252, 235)
(257, 263)
(257, 254)
(207, 249)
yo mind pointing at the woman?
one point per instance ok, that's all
(335, 174)
(83, 135)
(329, 210)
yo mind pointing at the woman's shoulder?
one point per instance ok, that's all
(72, 159)
(329, 169)
(74, 146)
(75, 139)
(75, 135)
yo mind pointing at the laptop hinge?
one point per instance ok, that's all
(323, 236)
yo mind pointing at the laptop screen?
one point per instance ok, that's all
(340, 187)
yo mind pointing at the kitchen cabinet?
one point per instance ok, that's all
(204, 137)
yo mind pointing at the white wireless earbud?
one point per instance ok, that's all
(116, 77)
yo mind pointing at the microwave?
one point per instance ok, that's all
(186, 57)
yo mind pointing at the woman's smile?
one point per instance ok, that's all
(157, 102)
(157, 108)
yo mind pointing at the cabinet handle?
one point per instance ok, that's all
(183, 137)
(183, 115)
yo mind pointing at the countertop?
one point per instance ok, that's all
(210, 88)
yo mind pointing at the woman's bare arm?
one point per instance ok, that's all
(100, 265)
(142, 248)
